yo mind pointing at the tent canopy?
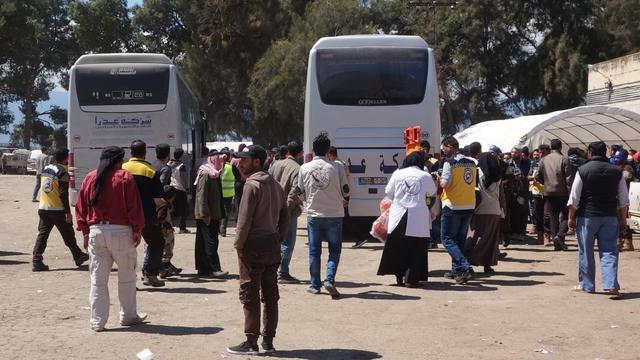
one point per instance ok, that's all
(575, 127)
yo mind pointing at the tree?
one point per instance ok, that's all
(623, 24)
(103, 26)
(165, 26)
(49, 127)
(6, 116)
(39, 48)
(278, 79)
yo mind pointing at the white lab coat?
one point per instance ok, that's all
(409, 188)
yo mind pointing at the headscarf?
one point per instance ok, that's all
(490, 169)
(109, 157)
(416, 158)
(214, 165)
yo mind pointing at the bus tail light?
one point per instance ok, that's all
(72, 172)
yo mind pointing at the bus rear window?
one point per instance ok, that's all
(118, 84)
(372, 76)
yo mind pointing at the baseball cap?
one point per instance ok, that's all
(495, 149)
(252, 151)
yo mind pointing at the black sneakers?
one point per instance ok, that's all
(449, 275)
(245, 348)
(267, 345)
(287, 279)
(464, 276)
(80, 260)
(39, 266)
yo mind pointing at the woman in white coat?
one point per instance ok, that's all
(405, 251)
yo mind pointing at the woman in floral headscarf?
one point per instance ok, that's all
(208, 212)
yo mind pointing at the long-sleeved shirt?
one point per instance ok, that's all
(408, 188)
(324, 185)
(208, 199)
(286, 173)
(263, 213)
(54, 191)
(554, 172)
(119, 202)
(148, 183)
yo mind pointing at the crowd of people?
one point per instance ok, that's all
(469, 200)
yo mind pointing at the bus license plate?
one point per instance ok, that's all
(372, 181)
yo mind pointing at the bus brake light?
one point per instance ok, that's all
(72, 172)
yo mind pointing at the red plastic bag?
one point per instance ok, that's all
(380, 226)
(385, 204)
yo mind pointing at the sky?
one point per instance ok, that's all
(58, 96)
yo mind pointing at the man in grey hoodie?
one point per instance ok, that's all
(263, 221)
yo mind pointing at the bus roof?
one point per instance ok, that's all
(409, 41)
(123, 58)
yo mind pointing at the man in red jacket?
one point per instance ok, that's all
(109, 214)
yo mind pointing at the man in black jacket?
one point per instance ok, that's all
(599, 199)
(151, 193)
(163, 155)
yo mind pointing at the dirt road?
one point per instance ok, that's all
(525, 311)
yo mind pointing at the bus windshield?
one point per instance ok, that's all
(372, 76)
(122, 85)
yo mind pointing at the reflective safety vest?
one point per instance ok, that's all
(228, 181)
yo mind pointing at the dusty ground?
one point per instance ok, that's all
(525, 311)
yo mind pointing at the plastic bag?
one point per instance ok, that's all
(380, 226)
(385, 204)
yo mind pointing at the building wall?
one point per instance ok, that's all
(624, 74)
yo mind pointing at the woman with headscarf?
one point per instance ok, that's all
(405, 250)
(209, 210)
(109, 214)
(485, 231)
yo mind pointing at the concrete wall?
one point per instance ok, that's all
(622, 71)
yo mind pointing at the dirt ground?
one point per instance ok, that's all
(525, 311)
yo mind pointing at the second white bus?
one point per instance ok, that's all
(364, 90)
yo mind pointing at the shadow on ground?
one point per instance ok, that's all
(79, 268)
(451, 286)
(379, 295)
(12, 262)
(321, 354)
(351, 285)
(522, 261)
(198, 290)
(11, 253)
(503, 282)
(149, 328)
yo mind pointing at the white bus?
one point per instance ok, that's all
(364, 90)
(117, 98)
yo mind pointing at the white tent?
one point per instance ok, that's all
(232, 145)
(575, 127)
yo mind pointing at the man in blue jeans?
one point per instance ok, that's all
(458, 182)
(324, 186)
(600, 200)
(286, 172)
